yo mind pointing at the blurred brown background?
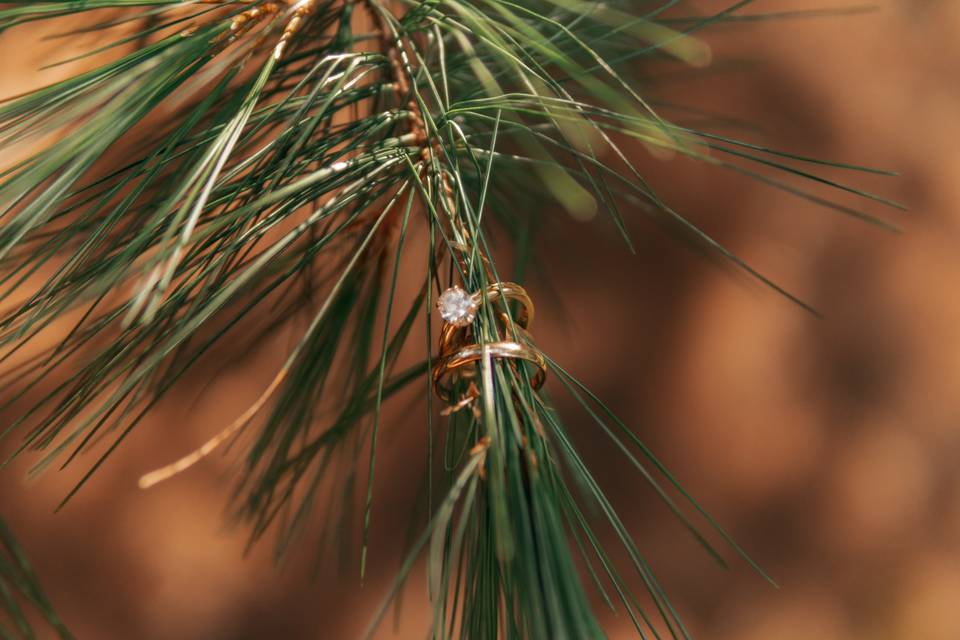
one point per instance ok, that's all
(827, 446)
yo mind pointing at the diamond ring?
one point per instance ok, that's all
(459, 308)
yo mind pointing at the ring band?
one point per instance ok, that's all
(511, 291)
(476, 352)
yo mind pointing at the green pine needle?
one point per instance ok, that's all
(21, 595)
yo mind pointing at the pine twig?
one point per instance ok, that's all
(276, 156)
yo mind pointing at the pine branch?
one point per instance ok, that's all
(228, 170)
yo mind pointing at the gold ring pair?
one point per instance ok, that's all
(454, 354)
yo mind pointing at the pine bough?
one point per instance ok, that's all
(225, 170)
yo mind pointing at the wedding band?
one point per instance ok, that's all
(476, 352)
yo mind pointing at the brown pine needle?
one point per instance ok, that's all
(165, 473)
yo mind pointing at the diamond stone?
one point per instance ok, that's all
(457, 307)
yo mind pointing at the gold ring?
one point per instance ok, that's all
(477, 352)
(450, 331)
